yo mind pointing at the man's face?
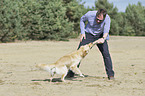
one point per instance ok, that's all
(99, 19)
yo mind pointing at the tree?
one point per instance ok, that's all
(34, 19)
(121, 19)
(10, 21)
(47, 20)
(135, 15)
(74, 11)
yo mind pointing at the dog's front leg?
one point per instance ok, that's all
(76, 70)
(82, 75)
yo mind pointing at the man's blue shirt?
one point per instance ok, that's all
(92, 26)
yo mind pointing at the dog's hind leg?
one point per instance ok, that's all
(65, 70)
(62, 77)
(52, 72)
(51, 77)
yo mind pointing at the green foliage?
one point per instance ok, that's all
(9, 21)
(120, 18)
(135, 15)
(39, 19)
(59, 19)
(74, 13)
(46, 20)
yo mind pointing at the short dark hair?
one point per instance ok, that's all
(101, 11)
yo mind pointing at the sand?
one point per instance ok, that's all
(20, 77)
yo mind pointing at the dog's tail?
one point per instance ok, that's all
(41, 65)
(46, 67)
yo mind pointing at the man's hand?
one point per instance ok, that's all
(82, 36)
(101, 41)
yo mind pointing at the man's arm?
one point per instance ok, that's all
(102, 40)
(82, 23)
(106, 30)
(82, 27)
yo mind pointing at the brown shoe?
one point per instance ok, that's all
(111, 78)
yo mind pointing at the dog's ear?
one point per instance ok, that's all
(81, 48)
(85, 52)
(90, 45)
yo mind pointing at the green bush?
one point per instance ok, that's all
(46, 20)
(9, 21)
(34, 19)
(135, 15)
(59, 19)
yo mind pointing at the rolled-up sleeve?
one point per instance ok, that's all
(107, 24)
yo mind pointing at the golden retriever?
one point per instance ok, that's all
(70, 61)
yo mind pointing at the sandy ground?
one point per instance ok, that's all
(19, 77)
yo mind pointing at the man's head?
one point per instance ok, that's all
(100, 16)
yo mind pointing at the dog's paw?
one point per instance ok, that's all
(82, 75)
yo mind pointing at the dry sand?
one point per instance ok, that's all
(19, 77)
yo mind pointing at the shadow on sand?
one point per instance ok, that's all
(56, 79)
(75, 78)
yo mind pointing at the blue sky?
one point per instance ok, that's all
(120, 4)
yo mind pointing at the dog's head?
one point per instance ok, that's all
(90, 45)
(85, 49)
(87, 46)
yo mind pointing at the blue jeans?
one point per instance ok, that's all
(103, 49)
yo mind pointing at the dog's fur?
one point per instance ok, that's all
(67, 62)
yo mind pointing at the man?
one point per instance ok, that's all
(97, 28)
